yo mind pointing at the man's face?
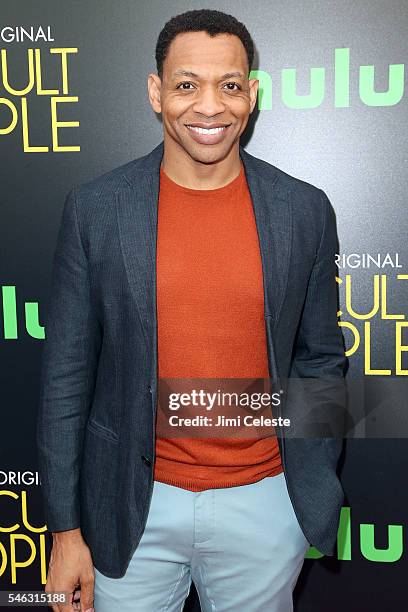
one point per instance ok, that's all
(205, 97)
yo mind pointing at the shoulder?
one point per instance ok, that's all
(95, 199)
(308, 201)
(287, 185)
(107, 184)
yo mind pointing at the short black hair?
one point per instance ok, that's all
(211, 21)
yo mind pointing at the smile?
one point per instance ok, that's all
(201, 130)
(207, 136)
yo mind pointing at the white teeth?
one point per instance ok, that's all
(206, 131)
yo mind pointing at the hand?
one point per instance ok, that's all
(71, 569)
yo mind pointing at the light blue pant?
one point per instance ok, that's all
(242, 546)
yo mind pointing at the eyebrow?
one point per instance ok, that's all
(193, 75)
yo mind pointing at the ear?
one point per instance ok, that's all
(153, 90)
(253, 92)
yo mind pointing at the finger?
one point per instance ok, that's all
(87, 596)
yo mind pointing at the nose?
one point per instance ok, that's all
(209, 102)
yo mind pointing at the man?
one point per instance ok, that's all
(196, 260)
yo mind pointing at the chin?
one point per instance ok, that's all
(208, 156)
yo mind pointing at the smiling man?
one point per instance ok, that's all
(205, 98)
(177, 266)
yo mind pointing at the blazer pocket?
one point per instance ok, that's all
(102, 431)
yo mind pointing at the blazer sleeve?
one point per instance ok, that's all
(319, 350)
(68, 370)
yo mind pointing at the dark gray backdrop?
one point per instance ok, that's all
(357, 154)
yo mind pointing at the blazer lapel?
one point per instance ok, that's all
(137, 208)
(273, 215)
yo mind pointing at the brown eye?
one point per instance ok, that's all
(179, 86)
(230, 88)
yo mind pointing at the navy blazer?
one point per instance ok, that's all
(98, 389)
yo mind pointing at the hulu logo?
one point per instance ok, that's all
(390, 554)
(32, 323)
(317, 90)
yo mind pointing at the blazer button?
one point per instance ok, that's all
(146, 460)
(150, 389)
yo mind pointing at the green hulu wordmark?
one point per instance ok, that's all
(389, 554)
(341, 94)
(10, 318)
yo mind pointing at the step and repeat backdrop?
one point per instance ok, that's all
(332, 110)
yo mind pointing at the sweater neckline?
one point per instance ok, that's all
(233, 184)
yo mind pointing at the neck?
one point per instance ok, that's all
(186, 171)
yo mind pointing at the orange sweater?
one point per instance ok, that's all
(210, 309)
